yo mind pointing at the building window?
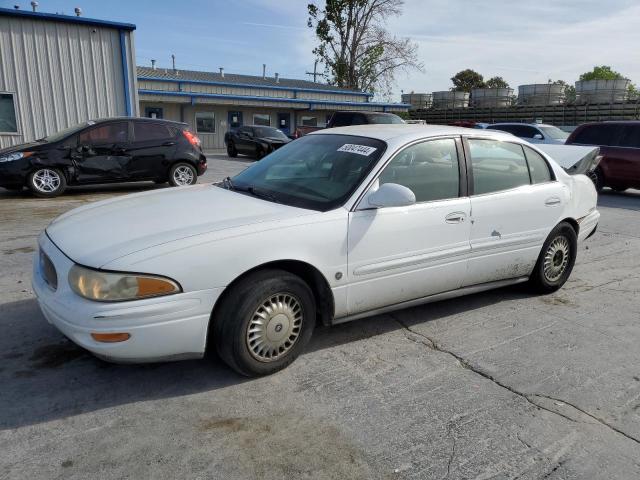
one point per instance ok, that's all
(153, 112)
(262, 119)
(309, 121)
(205, 122)
(8, 122)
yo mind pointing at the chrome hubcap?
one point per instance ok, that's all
(46, 181)
(556, 258)
(274, 327)
(183, 175)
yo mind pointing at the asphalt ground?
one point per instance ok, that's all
(497, 385)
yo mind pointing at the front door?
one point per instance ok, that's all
(515, 204)
(398, 254)
(102, 153)
(234, 119)
(284, 123)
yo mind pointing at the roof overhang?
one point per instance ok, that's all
(54, 17)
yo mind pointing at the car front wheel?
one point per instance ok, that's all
(182, 174)
(47, 182)
(556, 259)
(264, 322)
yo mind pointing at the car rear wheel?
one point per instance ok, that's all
(47, 182)
(259, 153)
(597, 178)
(264, 322)
(182, 174)
(231, 150)
(556, 259)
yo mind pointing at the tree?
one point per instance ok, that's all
(603, 72)
(496, 82)
(466, 80)
(356, 49)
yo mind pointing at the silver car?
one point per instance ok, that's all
(533, 132)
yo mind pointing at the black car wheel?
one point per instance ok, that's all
(182, 174)
(264, 322)
(259, 153)
(556, 259)
(597, 178)
(47, 182)
(231, 149)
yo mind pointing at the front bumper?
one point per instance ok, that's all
(164, 328)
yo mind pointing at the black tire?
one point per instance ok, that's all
(597, 178)
(259, 153)
(179, 175)
(555, 264)
(231, 149)
(38, 186)
(241, 305)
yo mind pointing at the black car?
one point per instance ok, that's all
(254, 140)
(347, 118)
(105, 151)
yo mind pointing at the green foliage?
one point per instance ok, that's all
(603, 72)
(496, 82)
(466, 80)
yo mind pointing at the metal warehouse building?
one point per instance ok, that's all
(59, 70)
(212, 103)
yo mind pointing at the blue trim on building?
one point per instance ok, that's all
(311, 103)
(10, 12)
(125, 72)
(253, 85)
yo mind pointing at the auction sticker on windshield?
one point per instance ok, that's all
(358, 149)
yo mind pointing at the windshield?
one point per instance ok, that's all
(54, 137)
(373, 118)
(318, 172)
(268, 132)
(554, 132)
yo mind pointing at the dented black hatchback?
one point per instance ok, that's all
(105, 151)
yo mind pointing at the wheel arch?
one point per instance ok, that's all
(311, 275)
(573, 222)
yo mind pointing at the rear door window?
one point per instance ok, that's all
(603, 134)
(148, 131)
(104, 134)
(497, 166)
(538, 166)
(630, 136)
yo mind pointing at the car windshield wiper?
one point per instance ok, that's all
(257, 192)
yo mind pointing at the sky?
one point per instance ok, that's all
(524, 41)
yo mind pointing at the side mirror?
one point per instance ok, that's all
(390, 195)
(538, 136)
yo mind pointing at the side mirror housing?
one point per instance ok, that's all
(538, 136)
(390, 195)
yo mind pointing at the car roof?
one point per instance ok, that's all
(407, 132)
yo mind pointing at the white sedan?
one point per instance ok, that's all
(338, 225)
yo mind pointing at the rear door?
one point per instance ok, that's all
(398, 254)
(102, 153)
(627, 156)
(515, 203)
(152, 148)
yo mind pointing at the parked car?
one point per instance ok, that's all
(619, 144)
(104, 151)
(254, 140)
(532, 133)
(338, 225)
(345, 118)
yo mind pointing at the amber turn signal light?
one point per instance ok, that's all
(110, 337)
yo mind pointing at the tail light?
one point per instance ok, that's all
(192, 137)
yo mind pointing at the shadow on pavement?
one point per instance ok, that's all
(46, 377)
(628, 200)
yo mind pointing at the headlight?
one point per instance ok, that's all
(10, 157)
(116, 287)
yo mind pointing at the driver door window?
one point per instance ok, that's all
(105, 134)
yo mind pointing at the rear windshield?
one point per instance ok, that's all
(554, 132)
(318, 172)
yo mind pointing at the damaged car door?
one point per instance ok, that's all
(102, 154)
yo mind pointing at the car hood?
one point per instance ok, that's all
(22, 147)
(97, 234)
(276, 140)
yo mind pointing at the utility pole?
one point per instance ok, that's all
(315, 72)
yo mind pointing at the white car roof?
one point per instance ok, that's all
(405, 133)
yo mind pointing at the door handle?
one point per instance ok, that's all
(455, 217)
(549, 202)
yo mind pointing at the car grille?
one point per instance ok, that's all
(48, 271)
